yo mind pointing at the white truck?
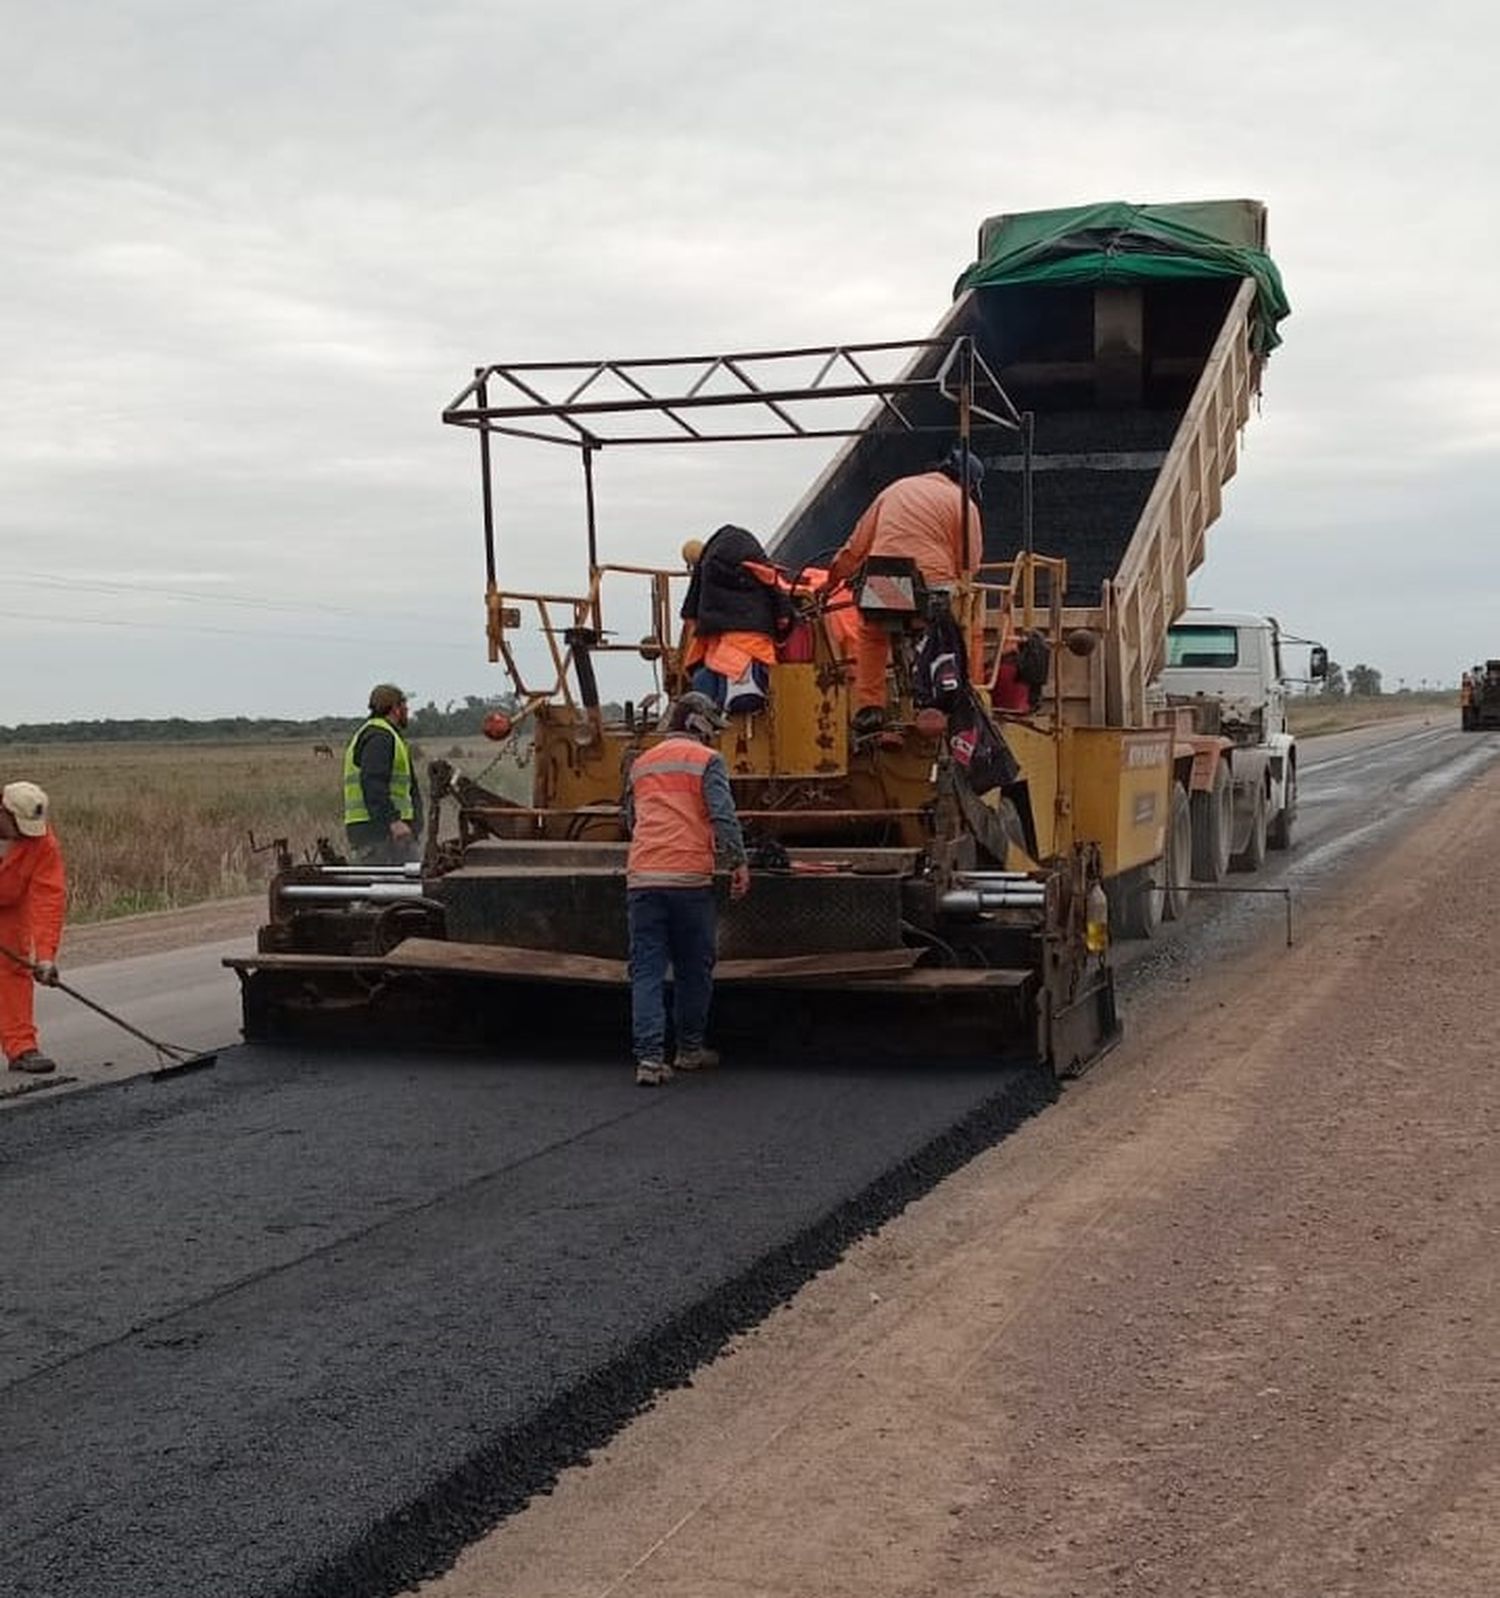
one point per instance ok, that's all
(1224, 670)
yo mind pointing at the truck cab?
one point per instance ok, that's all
(1233, 660)
(1224, 669)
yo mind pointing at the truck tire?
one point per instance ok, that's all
(1279, 833)
(1179, 856)
(1253, 856)
(1213, 827)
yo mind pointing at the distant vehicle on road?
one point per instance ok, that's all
(1479, 697)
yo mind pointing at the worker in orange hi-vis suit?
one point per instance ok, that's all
(32, 898)
(922, 519)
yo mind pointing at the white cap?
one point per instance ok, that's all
(28, 804)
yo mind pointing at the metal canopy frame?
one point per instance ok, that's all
(670, 386)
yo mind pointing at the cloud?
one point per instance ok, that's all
(252, 252)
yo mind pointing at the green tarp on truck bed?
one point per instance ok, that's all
(1120, 243)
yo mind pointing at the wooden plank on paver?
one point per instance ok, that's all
(550, 965)
(495, 959)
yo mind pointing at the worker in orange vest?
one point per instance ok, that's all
(921, 518)
(32, 899)
(679, 813)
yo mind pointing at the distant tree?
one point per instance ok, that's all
(454, 721)
(1364, 682)
(1334, 685)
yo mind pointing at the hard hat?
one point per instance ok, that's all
(963, 464)
(384, 697)
(28, 804)
(698, 716)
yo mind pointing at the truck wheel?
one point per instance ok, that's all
(1253, 856)
(1135, 900)
(1213, 827)
(1179, 859)
(1279, 833)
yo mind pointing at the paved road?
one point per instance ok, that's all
(185, 997)
(304, 1324)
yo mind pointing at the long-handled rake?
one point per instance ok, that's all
(173, 1058)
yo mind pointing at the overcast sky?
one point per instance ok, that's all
(251, 251)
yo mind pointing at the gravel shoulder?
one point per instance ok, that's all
(1221, 1322)
(99, 942)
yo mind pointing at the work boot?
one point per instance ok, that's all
(696, 1058)
(34, 1061)
(652, 1074)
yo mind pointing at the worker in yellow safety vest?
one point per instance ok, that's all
(382, 803)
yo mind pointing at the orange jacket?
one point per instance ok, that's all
(921, 518)
(672, 839)
(33, 895)
(729, 653)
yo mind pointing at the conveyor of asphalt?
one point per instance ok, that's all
(306, 1324)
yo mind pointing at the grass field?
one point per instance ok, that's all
(160, 826)
(1313, 715)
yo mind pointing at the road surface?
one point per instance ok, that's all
(305, 1325)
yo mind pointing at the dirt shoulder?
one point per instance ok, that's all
(98, 941)
(1220, 1322)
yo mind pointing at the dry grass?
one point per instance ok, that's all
(159, 826)
(1313, 715)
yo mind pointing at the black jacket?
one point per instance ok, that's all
(723, 597)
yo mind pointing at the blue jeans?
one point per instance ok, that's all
(675, 926)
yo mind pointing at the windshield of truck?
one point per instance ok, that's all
(1203, 646)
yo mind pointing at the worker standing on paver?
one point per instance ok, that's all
(680, 814)
(382, 802)
(33, 896)
(920, 518)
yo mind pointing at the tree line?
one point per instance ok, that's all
(457, 719)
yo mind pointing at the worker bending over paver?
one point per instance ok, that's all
(33, 897)
(679, 813)
(738, 611)
(919, 518)
(382, 802)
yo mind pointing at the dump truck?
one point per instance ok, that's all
(1101, 361)
(1479, 697)
(1226, 669)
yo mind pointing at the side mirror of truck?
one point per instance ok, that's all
(1317, 663)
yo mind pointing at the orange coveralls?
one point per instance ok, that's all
(32, 899)
(921, 518)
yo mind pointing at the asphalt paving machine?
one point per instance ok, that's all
(891, 901)
(897, 901)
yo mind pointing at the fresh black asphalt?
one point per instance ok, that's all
(306, 1324)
